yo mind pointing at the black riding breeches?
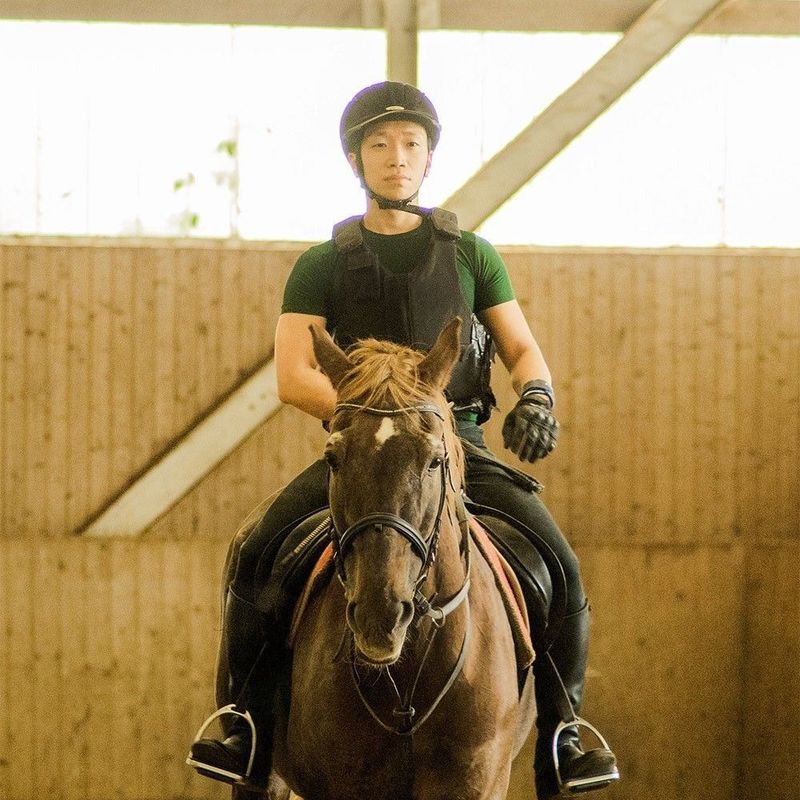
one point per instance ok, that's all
(488, 483)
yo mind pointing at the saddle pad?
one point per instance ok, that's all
(320, 575)
(510, 591)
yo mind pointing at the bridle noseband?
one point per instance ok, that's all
(426, 548)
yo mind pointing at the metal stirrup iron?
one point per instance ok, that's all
(575, 785)
(229, 710)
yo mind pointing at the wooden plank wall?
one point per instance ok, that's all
(678, 381)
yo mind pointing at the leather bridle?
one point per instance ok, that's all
(426, 547)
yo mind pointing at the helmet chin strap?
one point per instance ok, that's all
(386, 204)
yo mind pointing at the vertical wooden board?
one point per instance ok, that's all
(22, 688)
(163, 347)
(101, 369)
(101, 665)
(560, 359)
(602, 365)
(705, 445)
(253, 338)
(6, 765)
(79, 505)
(207, 495)
(643, 391)
(770, 748)
(254, 335)
(122, 390)
(231, 313)
(766, 313)
(780, 357)
(37, 400)
(206, 560)
(186, 401)
(58, 420)
(665, 666)
(787, 361)
(728, 510)
(144, 293)
(15, 289)
(664, 387)
(583, 460)
(228, 348)
(157, 722)
(534, 290)
(176, 623)
(123, 777)
(3, 290)
(77, 709)
(207, 327)
(620, 444)
(187, 398)
(684, 387)
(48, 699)
(749, 388)
(566, 313)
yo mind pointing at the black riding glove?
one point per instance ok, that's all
(530, 430)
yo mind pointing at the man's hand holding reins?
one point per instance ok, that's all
(530, 430)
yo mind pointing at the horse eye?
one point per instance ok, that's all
(331, 461)
(436, 462)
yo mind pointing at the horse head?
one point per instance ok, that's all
(392, 456)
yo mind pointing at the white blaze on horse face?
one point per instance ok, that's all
(385, 431)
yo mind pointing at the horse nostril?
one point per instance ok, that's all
(406, 613)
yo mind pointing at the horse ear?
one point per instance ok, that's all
(333, 360)
(435, 368)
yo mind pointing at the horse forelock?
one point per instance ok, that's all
(386, 375)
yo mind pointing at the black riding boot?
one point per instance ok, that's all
(565, 663)
(249, 639)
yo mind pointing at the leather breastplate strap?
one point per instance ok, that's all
(412, 308)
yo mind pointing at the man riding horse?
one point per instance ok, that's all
(401, 272)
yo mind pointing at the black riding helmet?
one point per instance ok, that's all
(387, 100)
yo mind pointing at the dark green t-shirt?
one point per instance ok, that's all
(313, 282)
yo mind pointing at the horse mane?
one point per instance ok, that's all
(386, 375)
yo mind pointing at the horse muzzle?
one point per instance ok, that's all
(379, 630)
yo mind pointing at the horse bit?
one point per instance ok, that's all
(424, 606)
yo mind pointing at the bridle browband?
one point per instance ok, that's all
(426, 548)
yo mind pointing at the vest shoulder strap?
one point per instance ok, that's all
(347, 234)
(445, 222)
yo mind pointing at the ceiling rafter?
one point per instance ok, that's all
(649, 39)
(190, 459)
(767, 17)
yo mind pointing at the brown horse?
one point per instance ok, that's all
(404, 679)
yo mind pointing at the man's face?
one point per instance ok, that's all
(395, 157)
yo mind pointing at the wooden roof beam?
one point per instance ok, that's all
(769, 17)
(648, 40)
(193, 457)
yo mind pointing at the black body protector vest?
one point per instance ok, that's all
(412, 308)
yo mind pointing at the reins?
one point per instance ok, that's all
(424, 607)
